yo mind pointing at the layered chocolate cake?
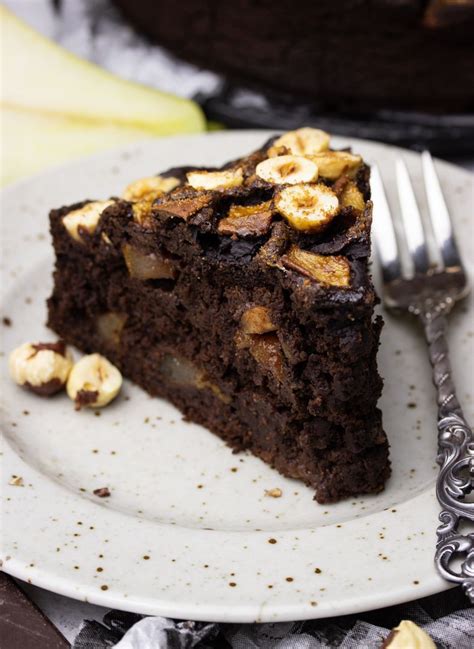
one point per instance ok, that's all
(347, 55)
(241, 294)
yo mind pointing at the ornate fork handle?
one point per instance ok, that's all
(456, 459)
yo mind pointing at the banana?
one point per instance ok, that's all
(86, 218)
(215, 180)
(149, 188)
(93, 382)
(309, 208)
(332, 164)
(287, 170)
(303, 141)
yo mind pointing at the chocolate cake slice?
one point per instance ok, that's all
(241, 294)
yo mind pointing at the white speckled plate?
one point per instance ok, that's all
(188, 531)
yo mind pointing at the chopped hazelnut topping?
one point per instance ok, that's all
(216, 180)
(287, 170)
(352, 197)
(302, 141)
(85, 219)
(307, 208)
(274, 493)
(149, 188)
(332, 164)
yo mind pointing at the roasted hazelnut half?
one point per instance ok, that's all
(85, 218)
(216, 180)
(307, 208)
(149, 188)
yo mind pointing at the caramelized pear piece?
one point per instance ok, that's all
(332, 270)
(247, 220)
(110, 326)
(147, 266)
(257, 320)
(183, 208)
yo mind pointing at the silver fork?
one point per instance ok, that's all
(429, 292)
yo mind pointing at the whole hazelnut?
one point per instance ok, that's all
(41, 367)
(93, 382)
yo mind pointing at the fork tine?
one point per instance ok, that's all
(411, 217)
(383, 230)
(440, 218)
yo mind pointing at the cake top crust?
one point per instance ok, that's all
(295, 208)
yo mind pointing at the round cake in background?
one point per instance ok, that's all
(351, 55)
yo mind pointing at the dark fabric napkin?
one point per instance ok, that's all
(446, 617)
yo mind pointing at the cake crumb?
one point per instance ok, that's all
(102, 492)
(274, 493)
(16, 481)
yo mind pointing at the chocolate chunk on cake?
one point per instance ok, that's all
(242, 295)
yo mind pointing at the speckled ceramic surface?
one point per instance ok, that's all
(188, 530)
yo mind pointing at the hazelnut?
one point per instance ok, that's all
(142, 212)
(303, 141)
(307, 208)
(274, 493)
(85, 218)
(408, 635)
(257, 320)
(149, 188)
(352, 197)
(42, 367)
(333, 270)
(332, 164)
(216, 180)
(287, 170)
(93, 382)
